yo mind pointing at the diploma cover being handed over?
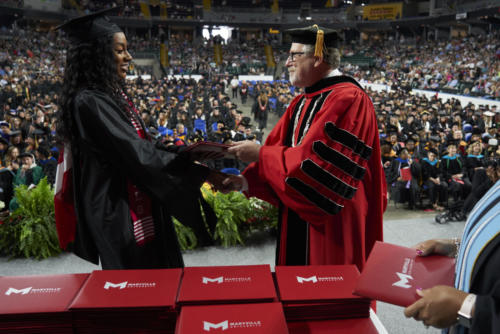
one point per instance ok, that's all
(207, 147)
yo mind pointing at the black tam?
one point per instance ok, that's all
(87, 28)
(309, 35)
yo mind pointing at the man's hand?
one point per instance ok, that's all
(438, 306)
(246, 151)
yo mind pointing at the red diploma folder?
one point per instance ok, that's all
(265, 318)
(342, 326)
(129, 288)
(205, 147)
(320, 292)
(393, 273)
(227, 284)
(405, 173)
(38, 304)
(127, 301)
(38, 294)
(310, 284)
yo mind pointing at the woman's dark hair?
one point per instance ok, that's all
(88, 66)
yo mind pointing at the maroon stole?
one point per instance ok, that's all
(139, 203)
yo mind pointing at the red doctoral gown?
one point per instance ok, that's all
(321, 165)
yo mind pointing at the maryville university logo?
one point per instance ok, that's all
(30, 290)
(404, 276)
(316, 279)
(127, 285)
(226, 324)
(222, 279)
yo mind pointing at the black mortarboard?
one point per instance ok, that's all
(38, 132)
(44, 150)
(476, 130)
(452, 141)
(409, 139)
(435, 138)
(90, 27)
(433, 150)
(314, 35)
(245, 121)
(27, 154)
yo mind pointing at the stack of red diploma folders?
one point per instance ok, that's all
(239, 298)
(127, 301)
(342, 326)
(38, 304)
(320, 293)
(235, 318)
(227, 284)
(392, 274)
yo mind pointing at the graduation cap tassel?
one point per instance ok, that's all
(318, 49)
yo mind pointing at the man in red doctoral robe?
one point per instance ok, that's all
(321, 163)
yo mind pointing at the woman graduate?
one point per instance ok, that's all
(126, 187)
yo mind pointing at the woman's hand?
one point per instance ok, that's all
(438, 306)
(447, 247)
(225, 183)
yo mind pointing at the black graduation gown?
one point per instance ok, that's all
(429, 170)
(108, 153)
(451, 167)
(472, 162)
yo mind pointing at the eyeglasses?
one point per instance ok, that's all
(291, 56)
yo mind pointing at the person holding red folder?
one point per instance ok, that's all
(473, 305)
(404, 187)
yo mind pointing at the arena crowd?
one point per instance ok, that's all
(437, 154)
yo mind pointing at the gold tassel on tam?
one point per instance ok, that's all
(318, 49)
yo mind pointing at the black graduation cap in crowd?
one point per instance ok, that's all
(15, 133)
(433, 150)
(44, 150)
(90, 27)
(476, 130)
(245, 121)
(452, 141)
(38, 132)
(435, 138)
(27, 154)
(314, 35)
(410, 138)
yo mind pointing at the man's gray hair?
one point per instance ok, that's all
(331, 56)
